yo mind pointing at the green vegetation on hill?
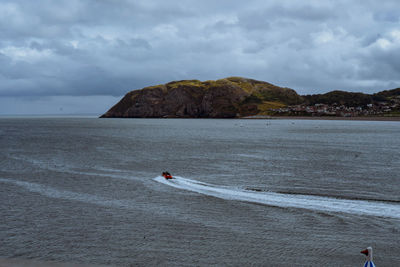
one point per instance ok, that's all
(340, 98)
(350, 99)
(387, 94)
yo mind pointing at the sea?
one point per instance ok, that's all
(84, 190)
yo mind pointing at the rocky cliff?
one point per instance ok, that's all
(225, 98)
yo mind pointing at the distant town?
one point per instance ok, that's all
(391, 107)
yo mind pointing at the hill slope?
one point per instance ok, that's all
(225, 98)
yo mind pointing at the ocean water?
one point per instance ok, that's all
(245, 193)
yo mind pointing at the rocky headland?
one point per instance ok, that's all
(237, 97)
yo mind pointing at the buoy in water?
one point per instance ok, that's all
(368, 252)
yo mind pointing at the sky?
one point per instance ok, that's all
(82, 56)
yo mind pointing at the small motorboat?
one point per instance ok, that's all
(167, 175)
(368, 252)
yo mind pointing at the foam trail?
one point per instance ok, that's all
(326, 204)
(68, 195)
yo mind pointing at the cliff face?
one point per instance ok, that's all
(226, 98)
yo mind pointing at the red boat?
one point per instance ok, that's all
(167, 175)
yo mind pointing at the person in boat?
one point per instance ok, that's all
(167, 175)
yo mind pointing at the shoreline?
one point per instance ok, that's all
(256, 117)
(322, 118)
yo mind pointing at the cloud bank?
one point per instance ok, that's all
(70, 49)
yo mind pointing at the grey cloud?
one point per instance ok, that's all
(369, 39)
(221, 26)
(380, 65)
(137, 42)
(390, 16)
(262, 18)
(255, 20)
(83, 48)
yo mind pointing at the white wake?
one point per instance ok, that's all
(317, 203)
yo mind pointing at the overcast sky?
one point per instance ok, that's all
(77, 56)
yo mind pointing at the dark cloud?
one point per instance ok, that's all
(73, 48)
(261, 18)
(389, 16)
